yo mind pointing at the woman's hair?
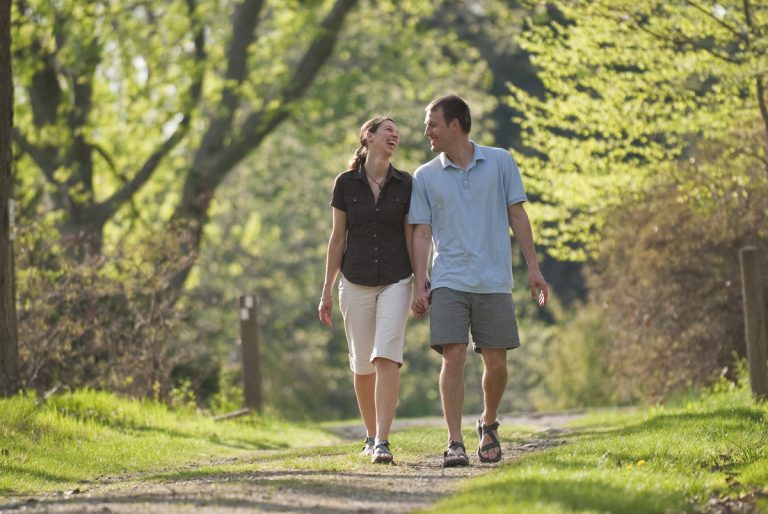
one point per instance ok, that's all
(361, 153)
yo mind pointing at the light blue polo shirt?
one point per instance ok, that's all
(468, 214)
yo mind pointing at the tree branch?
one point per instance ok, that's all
(682, 39)
(759, 86)
(259, 124)
(763, 108)
(245, 20)
(209, 168)
(44, 158)
(708, 13)
(107, 208)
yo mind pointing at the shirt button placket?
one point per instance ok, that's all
(376, 248)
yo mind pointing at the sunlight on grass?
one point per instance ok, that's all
(78, 436)
(663, 459)
(672, 458)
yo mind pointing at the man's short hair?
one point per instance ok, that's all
(454, 107)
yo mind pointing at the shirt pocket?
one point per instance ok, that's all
(360, 210)
(394, 208)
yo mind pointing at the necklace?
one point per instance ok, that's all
(380, 184)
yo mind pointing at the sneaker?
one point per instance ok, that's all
(370, 442)
(381, 453)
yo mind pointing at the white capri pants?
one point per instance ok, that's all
(374, 319)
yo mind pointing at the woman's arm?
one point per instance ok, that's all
(336, 246)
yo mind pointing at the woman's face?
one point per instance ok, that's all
(385, 139)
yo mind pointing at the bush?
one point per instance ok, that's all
(668, 276)
(97, 322)
(575, 364)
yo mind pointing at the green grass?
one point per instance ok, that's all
(661, 459)
(665, 459)
(80, 436)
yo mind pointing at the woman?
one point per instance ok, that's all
(370, 245)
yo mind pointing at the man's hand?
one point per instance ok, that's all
(538, 285)
(420, 304)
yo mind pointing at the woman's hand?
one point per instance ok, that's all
(325, 310)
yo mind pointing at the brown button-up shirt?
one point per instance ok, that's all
(376, 253)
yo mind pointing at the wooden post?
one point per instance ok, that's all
(755, 321)
(249, 342)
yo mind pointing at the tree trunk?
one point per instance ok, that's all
(9, 361)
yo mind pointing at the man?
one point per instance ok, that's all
(463, 203)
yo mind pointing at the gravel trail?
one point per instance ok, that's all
(399, 488)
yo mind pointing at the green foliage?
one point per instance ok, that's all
(268, 235)
(86, 434)
(267, 227)
(671, 459)
(668, 277)
(575, 364)
(98, 323)
(632, 87)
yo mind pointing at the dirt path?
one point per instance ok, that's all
(388, 489)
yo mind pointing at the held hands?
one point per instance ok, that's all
(421, 300)
(538, 285)
(325, 309)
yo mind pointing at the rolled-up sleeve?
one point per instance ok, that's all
(338, 194)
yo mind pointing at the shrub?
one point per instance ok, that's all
(668, 275)
(99, 322)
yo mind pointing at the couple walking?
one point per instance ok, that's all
(385, 226)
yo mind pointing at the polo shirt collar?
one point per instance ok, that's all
(477, 155)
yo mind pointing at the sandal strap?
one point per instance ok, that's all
(488, 430)
(492, 426)
(452, 445)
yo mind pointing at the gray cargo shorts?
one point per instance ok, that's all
(489, 316)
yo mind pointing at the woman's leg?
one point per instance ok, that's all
(365, 388)
(392, 308)
(387, 388)
(358, 307)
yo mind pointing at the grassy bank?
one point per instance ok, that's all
(701, 455)
(694, 456)
(79, 436)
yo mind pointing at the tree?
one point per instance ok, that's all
(116, 95)
(654, 143)
(631, 88)
(9, 364)
(271, 222)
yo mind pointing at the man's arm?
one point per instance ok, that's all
(521, 227)
(422, 247)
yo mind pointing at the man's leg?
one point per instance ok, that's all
(365, 386)
(494, 382)
(452, 387)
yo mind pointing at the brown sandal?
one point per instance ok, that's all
(487, 430)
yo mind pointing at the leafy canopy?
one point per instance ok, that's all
(631, 86)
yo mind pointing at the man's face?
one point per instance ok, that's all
(437, 131)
